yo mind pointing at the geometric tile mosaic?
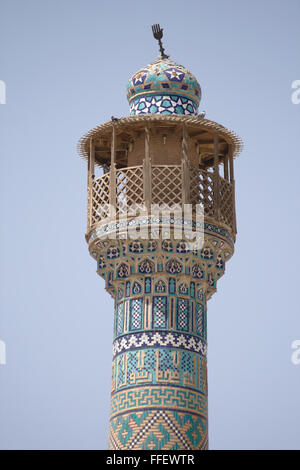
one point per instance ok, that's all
(161, 339)
(159, 305)
(158, 429)
(136, 313)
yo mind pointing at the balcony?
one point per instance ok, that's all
(162, 184)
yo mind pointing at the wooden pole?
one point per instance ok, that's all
(231, 166)
(91, 175)
(113, 186)
(147, 142)
(233, 205)
(113, 144)
(226, 167)
(201, 165)
(216, 177)
(184, 143)
(185, 168)
(147, 171)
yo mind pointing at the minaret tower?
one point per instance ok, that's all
(161, 226)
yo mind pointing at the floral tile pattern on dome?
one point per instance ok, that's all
(163, 104)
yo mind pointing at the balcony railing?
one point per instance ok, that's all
(162, 184)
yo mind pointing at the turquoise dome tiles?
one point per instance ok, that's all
(163, 87)
(162, 104)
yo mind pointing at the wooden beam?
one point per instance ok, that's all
(231, 171)
(147, 170)
(231, 164)
(113, 184)
(147, 142)
(185, 168)
(216, 177)
(184, 143)
(198, 134)
(91, 164)
(113, 145)
(91, 175)
(185, 181)
(226, 159)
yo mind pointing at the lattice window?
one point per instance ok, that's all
(226, 203)
(166, 185)
(129, 187)
(202, 190)
(100, 198)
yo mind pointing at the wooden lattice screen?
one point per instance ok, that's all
(129, 184)
(166, 185)
(166, 188)
(100, 198)
(226, 203)
(202, 190)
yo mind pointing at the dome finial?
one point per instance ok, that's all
(158, 34)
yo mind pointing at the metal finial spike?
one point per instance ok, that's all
(158, 34)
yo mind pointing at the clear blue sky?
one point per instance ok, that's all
(66, 65)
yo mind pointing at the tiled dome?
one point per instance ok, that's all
(163, 87)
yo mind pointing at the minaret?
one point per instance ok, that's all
(161, 226)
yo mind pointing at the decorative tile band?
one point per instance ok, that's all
(159, 397)
(162, 339)
(163, 104)
(160, 312)
(158, 429)
(158, 366)
(105, 229)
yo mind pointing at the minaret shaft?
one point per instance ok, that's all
(159, 380)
